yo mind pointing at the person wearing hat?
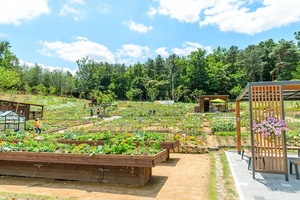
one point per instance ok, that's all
(37, 126)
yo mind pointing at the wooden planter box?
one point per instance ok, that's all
(125, 169)
(170, 145)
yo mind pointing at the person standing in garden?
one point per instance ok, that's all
(98, 112)
(37, 126)
(91, 112)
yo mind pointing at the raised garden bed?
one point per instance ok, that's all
(170, 145)
(136, 170)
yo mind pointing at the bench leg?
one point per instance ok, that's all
(297, 172)
(291, 167)
(243, 151)
(298, 152)
(249, 163)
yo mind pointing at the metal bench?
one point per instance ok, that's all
(248, 154)
(296, 163)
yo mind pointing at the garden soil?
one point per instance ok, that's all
(183, 176)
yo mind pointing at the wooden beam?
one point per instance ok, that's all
(238, 127)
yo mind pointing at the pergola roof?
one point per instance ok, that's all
(290, 89)
(23, 103)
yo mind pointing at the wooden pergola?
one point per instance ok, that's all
(267, 99)
(22, 108)
(205, 102)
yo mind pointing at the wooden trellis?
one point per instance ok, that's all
(269, 154)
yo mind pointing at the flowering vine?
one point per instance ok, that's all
(270, 127)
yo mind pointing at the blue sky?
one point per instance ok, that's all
(56, 33)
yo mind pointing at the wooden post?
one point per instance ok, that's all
(238, 127)
(42, 114)
(17, 108)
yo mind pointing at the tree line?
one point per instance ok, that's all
(179, 78)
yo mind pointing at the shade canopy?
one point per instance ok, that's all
(290, 89)
(218, 101)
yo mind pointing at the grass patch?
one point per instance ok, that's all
(213, 194)
(230, 133)
(231, 192)
(15, 196)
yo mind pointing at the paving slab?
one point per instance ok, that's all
(265, 186)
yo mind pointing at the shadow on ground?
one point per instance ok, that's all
(171, 162)
(150, 189)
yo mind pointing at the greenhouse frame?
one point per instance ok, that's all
(11, 120)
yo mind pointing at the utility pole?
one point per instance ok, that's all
(172, 87)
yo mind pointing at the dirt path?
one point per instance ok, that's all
(183, 176)
(211, 140)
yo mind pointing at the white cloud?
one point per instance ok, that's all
(69, 10)
(3, 36)
(72, 8)
(18, 11)
(235, 15)
(247, 16)
(152, 12)
(132, 50)
(131, 53)
(77, 2)
(141, 28)
(79, 49)
(189, 47)
(162, 51)
(51, 68)
(184, 11)
(104, 9)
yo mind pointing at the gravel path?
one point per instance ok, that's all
(220, 180)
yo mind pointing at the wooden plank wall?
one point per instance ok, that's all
(269, 154)
(81, 172)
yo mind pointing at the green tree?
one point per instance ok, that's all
(152, 90)
(149, 68)
(297, 37)
(179, 92)
(196, 70)
(68, 83)
(8, 79)
(269, 63)
(139, 85)
(231, 57)
(90, 75)
(287, 57)
(251, 62)
(33, 75)
(105, 100)
(218, 80)
(118, 81)
(8, 60)
(39, 89)
(129, 94)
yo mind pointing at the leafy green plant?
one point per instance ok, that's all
(223, 125)
(138, 143)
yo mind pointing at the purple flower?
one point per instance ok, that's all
(271, 126)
